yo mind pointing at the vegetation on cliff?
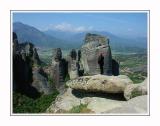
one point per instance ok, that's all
(24, 104)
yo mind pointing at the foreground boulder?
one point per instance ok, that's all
(64, 103)
(95, 104)
(100, 83)
(135, 90)
(133, 106)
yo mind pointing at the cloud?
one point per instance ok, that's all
(69, 27)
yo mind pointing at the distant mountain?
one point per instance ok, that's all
(70, 37)
(38, 38)
(68, 40)
(117, 43)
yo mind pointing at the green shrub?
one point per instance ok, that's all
(136, 93)
(136, 78)
(78, 109)
(24, 104)
(67, 78)
(50, 80)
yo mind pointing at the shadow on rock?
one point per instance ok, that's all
(112, 96)
(29, 91)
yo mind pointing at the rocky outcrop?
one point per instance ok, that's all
(96, 56)
(59, 68)
(36, 59)
(22, 72)
(94, 46)
(40, 82)
(135, 90)
(65, 102)
(100, 83)
(101, 93)
(22, 67)
(26, 79)
(30, 51)
(133, 106)
(93, 58)
(73, 69)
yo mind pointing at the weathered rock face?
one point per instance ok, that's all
(73, 54)
(59, 68)
(24, 56)
(135, 90)
(27, 49)
(133, 106)
(22, 72)
(22, 67)
(100, 83)
(94, 37)
(73, 69)
(15, 43)
(36, 59)
(115, 67)
(57, 55)
(40, 82)
(79, 55)
(94, 46)
(65, 102)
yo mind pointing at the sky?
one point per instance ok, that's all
(131, 24)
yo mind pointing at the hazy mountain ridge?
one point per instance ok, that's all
(117, 43)
(38, 38)
(62, 39)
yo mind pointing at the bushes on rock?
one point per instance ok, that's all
(136, 78)
(82, 108)
(135, 94)
(67, 78)
(50, 80)
(24, 104)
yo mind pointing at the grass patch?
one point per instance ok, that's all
(82, 108)
(136, 78)
(51, 81)
(136, 93)
(67, 78)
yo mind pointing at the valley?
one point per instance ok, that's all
(132, 64)
(80, 66)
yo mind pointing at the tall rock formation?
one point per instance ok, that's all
(73, 65)
(22, 69)
(94, 46)
(59, 68)
(27, 78)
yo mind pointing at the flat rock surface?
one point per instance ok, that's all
(98, 104)
(135, 105)
(102, 83)
(134, 90)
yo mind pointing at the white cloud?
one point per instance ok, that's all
(69, 27)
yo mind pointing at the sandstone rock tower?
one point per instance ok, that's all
(94, 46)
(28, 76)
(73, 64)
(59, 67)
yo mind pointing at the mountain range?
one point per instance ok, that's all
(69, 40)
